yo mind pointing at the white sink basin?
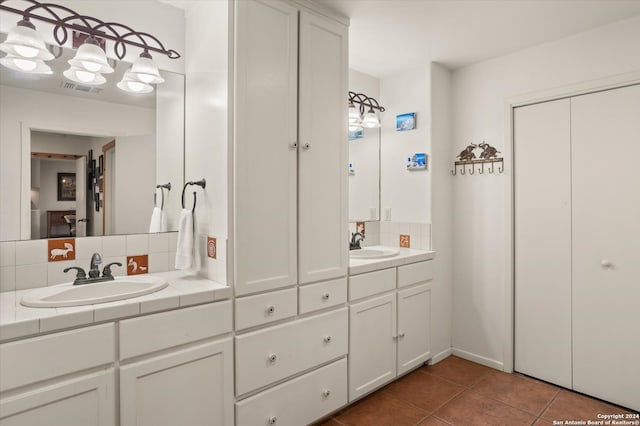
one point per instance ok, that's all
(88, 294)
(373, 253)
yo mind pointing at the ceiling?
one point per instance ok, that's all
(387, 36)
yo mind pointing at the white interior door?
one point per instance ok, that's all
(542, 182)
(81, 197)
(605, 129)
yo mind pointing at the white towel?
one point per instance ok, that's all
(156, 220)
(187, 252)
(163, 222)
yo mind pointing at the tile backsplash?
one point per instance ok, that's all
(25, 264)
(388, 233)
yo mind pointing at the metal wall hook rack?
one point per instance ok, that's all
(469, 166)
(467, 156)
(166, 186)
(202, 183)
(65, 19)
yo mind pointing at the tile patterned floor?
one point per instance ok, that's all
(459, 392)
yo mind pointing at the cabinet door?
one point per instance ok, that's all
(414, 327)
(372, 344)
(543, 241)
(322, 187)
(191, 387)
(265, 164)
(85, 401)
(605, 129)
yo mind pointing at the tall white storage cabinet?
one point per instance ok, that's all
(290, 190)
(577, 242)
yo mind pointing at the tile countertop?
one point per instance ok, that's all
(183, 290)
(406, 256)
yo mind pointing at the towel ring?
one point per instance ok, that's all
(202, 183)
(166, 186)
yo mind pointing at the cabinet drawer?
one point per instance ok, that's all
(266, 356)
(266, 308)
(152, 333)
(322, 295)
(371, 283)
(41, 358)
(299, 401)
(415, 273)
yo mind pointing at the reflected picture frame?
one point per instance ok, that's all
(66, 186)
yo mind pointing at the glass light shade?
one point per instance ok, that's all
(145, 70)
(354, 114)
(91, 58)
(131, 84)
(82, 76)
(370, 120)
(25, 42)
(26, 65)
(354, 127)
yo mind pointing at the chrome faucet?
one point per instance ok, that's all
(94, 271)
(355, 241)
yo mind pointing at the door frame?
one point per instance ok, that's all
(25, 178)
(582, 88)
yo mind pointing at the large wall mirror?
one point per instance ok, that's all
(364, 175)
(82, 160)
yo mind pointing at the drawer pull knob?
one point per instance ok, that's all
(306, 146)
(273, 420)
(401, 334)
(272, 358)
(271, 309)
(293, 145)
(326, 393)
(325, 296)
(327, 339)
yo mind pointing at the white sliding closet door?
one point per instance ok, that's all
(605, 130)
(542, 158)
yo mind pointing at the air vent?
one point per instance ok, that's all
(80, 87)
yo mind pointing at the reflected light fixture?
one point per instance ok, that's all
(357, 117)
(130, 83)
(26, 50)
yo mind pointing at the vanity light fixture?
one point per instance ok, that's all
(26, 50)
(357, 117)
(130, 83)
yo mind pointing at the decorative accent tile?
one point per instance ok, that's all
(405, 241)
(211, 247)
(137, 265)
(62, 249)
(360, 227)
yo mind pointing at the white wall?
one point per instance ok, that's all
(441, 208)
(206, 140)
(480, 327)
(407, 193)
(364, 153)
(53, 112)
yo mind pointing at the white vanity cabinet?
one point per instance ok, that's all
(290, 150)
(389, 325)
(64, 378)
(181, 373)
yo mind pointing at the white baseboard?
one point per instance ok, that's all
(478, 359)
(440, 356)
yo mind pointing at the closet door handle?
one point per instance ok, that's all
(606, 264)
(306, 146)
(293, 145)
(326, 296)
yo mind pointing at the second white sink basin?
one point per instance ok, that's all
(88, 294)
(373, 253)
